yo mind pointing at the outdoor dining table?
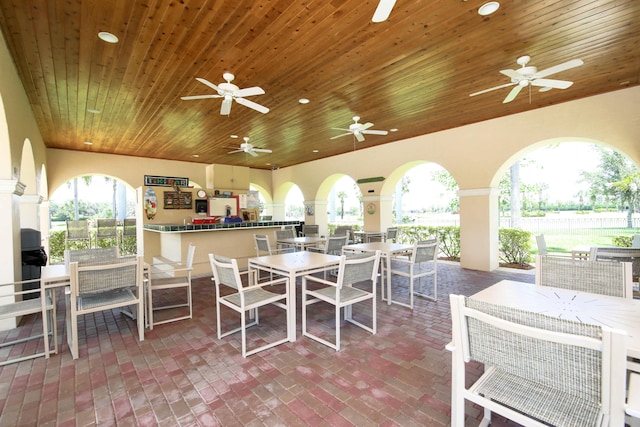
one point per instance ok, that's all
(387, 250)
(301, 242)
(294, 265)
(614, 312)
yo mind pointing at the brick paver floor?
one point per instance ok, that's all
(183, 375)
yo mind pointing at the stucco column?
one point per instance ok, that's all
(278, 211)
(378, 212)
(30, 211)
(315, 212)
(10, 250)
(479, 222)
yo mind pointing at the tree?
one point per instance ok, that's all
(616, 178)
(342, 195)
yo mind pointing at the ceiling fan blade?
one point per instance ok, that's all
(252, 153)
(560, 67)
(225, 108)
(189, 98)
(235, 151)
(208, 83)
(250, 91)
(262, 150)
(554, 84)
(375, 132)
(252, 105)
(359, 136)
(511, 73)
(514, 92)
(342, 134)
(383, 10)
(365, 126)
(492, 88)
(347, 130)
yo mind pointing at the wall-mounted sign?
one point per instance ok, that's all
(165, 181)
(175, 200)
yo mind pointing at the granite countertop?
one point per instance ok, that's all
(200, 227)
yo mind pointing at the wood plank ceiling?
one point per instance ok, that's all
(413, 72)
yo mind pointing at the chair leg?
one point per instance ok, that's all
(140, 318)
(243, 332)
(338, 328)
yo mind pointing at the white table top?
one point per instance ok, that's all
(384, 247)
(296, 261)
(301, 240)
(614, 312)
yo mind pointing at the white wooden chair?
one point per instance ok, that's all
(105, 285)
(246, 298)
(421, 262)
(77, 231)
(596, 277)
(106, 229)
(17, 301)
(392, 234)
(353, 269)
(310, 230)
(171, 276)
(543, 250)
(538, 370)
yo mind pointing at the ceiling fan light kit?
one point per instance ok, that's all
(358, 130)
(230, 92)
(528, 75)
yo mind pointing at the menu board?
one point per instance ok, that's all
(178, 200)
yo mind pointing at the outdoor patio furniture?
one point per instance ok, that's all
(353, 269)
(537, 368)
(246, 298)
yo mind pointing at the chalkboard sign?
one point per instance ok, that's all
(178, 200)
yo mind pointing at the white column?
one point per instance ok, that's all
(479, 223)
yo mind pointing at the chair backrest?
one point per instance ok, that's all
(285, 234)
(425, 251)
(392, 233)
(358, 267)
(89, 256)
(77, 229)
(542, 245)
(334, 245)
(106, 228)
(225, 271)
(118, 273)
(374, 237)
(310, 230)
(342, 230)
(262, 244)
(575, 359)
(129, 227)
(618, 254)
(596, 277)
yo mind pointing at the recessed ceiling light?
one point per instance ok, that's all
(488, 8)
(108, 37)
(234, 136)
(195, 155)
(393, 130)
(88, 143)
(93, 110)
(303, 101)
(316, 151)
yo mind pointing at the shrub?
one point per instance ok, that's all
(514, 246)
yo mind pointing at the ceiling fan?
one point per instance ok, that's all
(383, 10)
(245, 147)
(530, 76)
(230, 92)
(359, 129)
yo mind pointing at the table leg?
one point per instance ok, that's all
(291, 316)
(388, 256)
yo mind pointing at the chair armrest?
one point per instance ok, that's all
(278, 281)
(632, 408)
(319, 280)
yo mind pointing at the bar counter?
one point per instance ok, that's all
(169, 242)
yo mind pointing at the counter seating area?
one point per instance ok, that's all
(181, 374)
